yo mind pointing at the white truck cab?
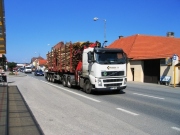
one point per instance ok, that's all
(104, 68)
(27, 69)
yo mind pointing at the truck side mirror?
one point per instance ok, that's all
(89, 57)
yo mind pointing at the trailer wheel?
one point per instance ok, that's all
(64, 82)
(53, 80)
(69, 82)
(48, 77)
(88, 87)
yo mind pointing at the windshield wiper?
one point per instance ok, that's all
(121, 61)
(106, 62)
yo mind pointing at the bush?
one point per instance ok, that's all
(11, 73)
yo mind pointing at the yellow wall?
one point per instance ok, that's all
(138, 71)
(139, 74)
(169, 71)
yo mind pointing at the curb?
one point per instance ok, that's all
(18, 75)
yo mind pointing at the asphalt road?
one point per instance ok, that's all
(142, 108)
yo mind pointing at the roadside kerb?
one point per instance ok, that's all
(19, 74)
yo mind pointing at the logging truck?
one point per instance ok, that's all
(88, 66)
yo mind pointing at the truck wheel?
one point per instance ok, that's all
(88, 87)
(64, 82)
(48, 78)
(69, 82)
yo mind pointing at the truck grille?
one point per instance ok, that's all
(113, 80)
(112, 73)
(113, 85)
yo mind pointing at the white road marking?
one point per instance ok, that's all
(175, 128)
(123, 110)
(73, 92)
(147, 96)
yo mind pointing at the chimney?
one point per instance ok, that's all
(120, 37)
(170, 34)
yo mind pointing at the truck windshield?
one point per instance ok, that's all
(28, 67)
(110, 58)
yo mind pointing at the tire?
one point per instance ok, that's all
(69, 82)
(52, 79)
(88, 87)
(48, 78)
(64, 82)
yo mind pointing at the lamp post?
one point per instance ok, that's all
(95, 19)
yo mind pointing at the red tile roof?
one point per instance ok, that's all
(42, 62)
(58, 45)
(34, 58)
(148, 47)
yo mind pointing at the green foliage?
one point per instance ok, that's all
(11, 65)
(3, 61)
(11, 73)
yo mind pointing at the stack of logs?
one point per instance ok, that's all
(67, 56)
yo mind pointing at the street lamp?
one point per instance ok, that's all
(95, 19)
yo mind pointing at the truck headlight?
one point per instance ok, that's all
(125, 80)
(99, 82)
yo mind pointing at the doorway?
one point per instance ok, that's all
(132, 71)
(151, 71)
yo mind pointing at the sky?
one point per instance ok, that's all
(34, 26)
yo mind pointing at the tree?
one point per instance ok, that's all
(11, 65)
(3, 61)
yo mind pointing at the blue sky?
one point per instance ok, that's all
(37, 25)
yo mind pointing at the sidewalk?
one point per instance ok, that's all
(171, 86)
(16, 117)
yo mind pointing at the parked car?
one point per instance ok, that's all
(39, 72)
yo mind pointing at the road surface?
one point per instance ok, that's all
(143, 109)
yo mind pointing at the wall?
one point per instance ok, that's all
(166, 71)
(138, 71)
(169, 71)
(178, 75)
(129, 74)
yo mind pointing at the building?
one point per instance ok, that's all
(39, 63)
(2, 29)
(34, 58)
(150, 58)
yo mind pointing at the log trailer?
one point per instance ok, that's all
(87, 65)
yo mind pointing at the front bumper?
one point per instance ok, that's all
(109, 88)
(27, 71)
(38, 74)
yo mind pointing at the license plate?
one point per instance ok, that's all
(113, 88)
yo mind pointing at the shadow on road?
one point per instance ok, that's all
(108, 93)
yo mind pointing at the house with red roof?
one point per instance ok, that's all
(151, 58)
(39, 63)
